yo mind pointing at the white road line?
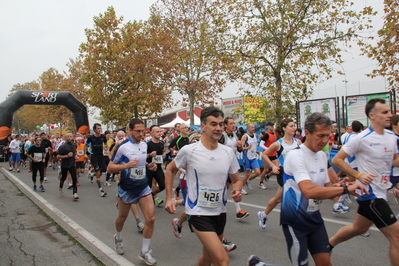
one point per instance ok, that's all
(118, 259)
(325, 219)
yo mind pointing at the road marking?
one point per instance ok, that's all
(118, 259)
(325, 219)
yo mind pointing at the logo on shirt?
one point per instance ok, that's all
(322, 170)
(375, 144)
(313, 172)
(212, 158)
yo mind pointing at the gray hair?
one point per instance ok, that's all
(316, 119)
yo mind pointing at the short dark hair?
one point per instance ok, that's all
(41, 134)
(299, 130)
(210, 111)
(371, 104)
(357, 126)
(151, 127)
(316, 119)
(395, 120)
(226, 120)
(96, 125)
(134, 122)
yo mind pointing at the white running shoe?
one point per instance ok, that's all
(147, 258)
(108, 184)
(60, 191)
(262, 186)
(75, 196)
(140, 226)
(262, 219)
(118, 245)
(176, 228)
(249, 184)
(243, 191)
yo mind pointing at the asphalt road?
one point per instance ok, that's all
(91, 221)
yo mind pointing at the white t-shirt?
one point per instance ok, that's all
(351, 160)
(300, 165)
(14, 146)
(374, 154)
(206, 175)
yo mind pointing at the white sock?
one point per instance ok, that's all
(146, 245)
(237, 205)
(342, 198)
(118, 236)
(336, 205)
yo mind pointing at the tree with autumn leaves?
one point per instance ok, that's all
(125, 67)
(386, 51)
(286, 46)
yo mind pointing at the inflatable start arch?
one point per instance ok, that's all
(22, 97)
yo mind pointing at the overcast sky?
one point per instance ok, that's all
(39, 34)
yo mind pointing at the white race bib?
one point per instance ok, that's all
(80, 152)
(38, 156)
(137, 172)
(383, 180)
(157, 159)
(210, 198)
(105, 153)
(314, 205)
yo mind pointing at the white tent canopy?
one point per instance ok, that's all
(197, 121)
(174, 121)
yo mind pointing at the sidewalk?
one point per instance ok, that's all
(29, 237)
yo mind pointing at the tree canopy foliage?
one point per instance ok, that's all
(124, 67)
(386, 51)
(286, 46)
(199, 69)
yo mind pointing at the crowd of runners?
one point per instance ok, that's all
(144, 162)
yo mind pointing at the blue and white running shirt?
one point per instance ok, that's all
(302, 164)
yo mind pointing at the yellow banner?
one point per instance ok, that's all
(254, 109)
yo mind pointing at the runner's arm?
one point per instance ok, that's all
(170, 173)
(338, 161)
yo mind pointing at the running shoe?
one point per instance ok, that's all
(367, 234)
(42, 188)
(342, 208)
(228, 246)
(158, 201)
(14, 170)
(60, 191)
(45, 179)
(69, 186)
(176, 228)
(140, 226)
(249, 184)
(18, 171)
(244, 191)
(75, 196)
(262, 219)
(255, 261)
(102, 193)
(241, 215)
(34, 188)
(108, 184)
(262, 186)
(10, 169)
(147, 258)
(118, 245)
